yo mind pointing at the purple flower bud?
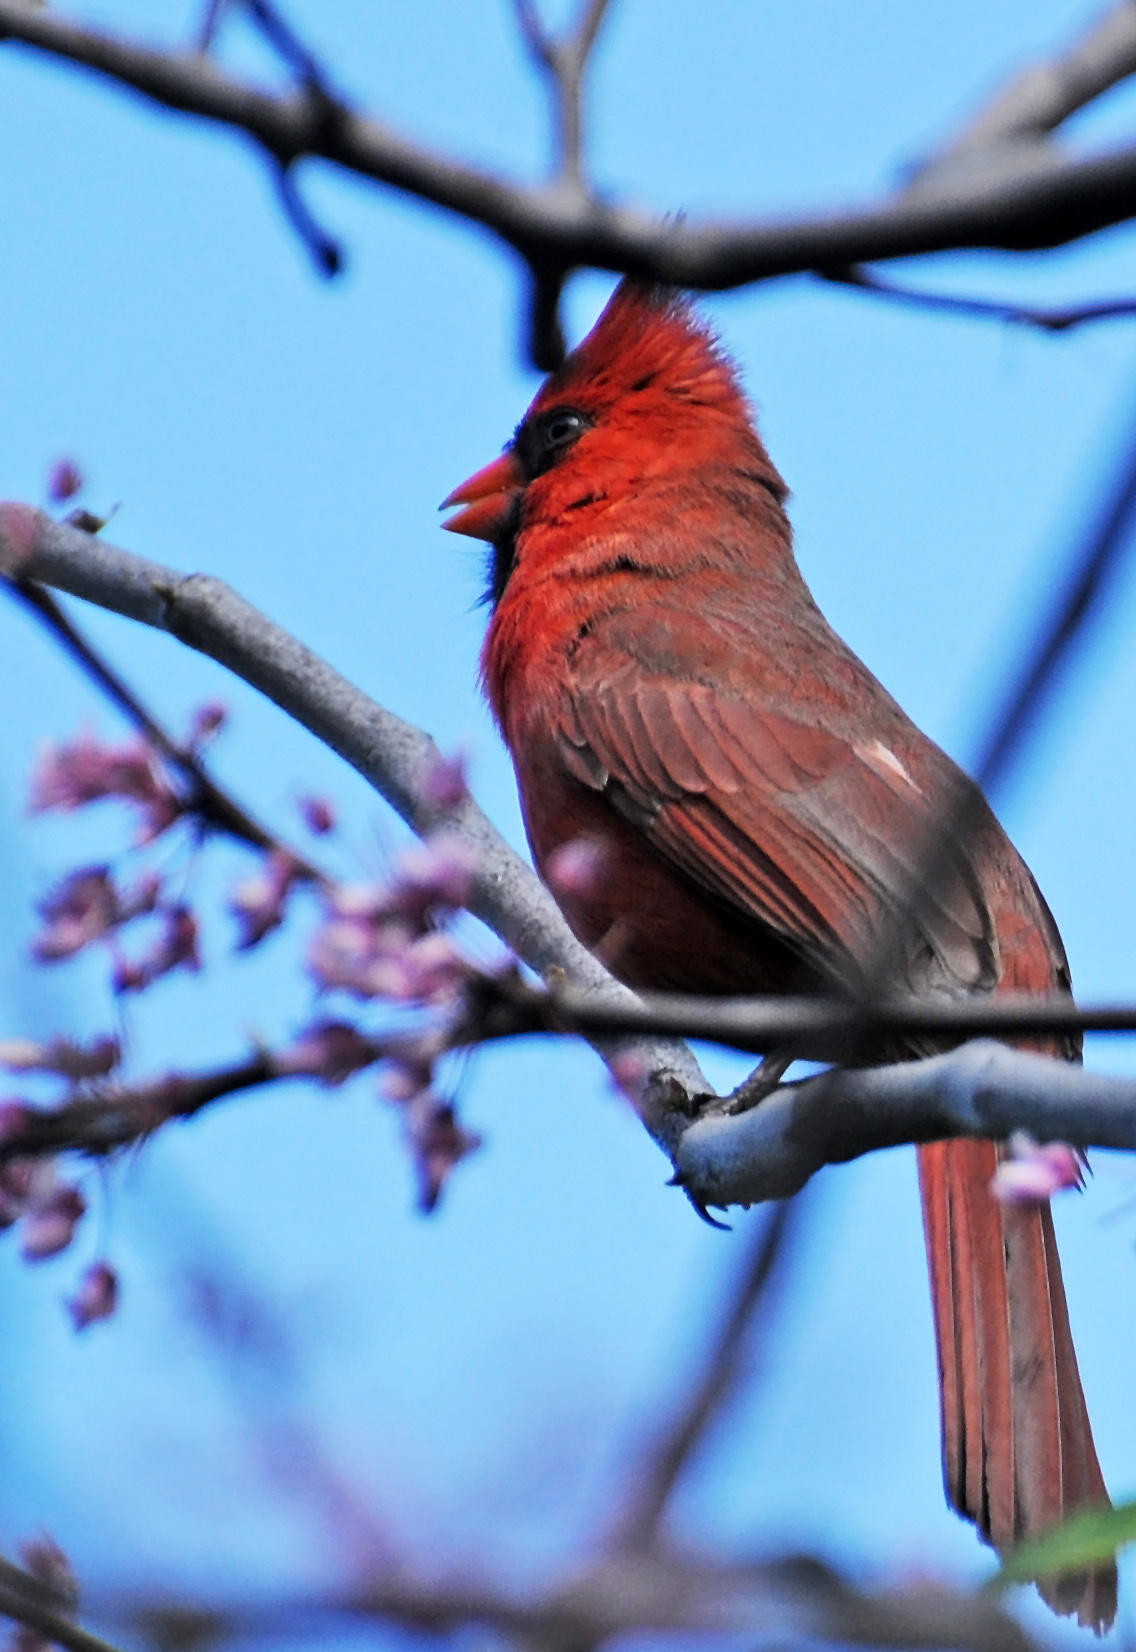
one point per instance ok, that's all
(64, 480)
(48, 1564)
(68, 777)
(328, 1050)
(49, 1226)
(444, 784)
(577, 868)
(259, 903)
(96, 1298)
(437, 1143)
(207, 720)
(437, 873)
(318, 815)
(15, 1118)
(175, 948)
(1035, 1171)
(629, 1075)
(62, 1056)
(81, 909)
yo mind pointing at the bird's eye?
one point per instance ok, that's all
(561, 428)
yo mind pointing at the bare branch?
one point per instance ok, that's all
(1058, 319)
(210, 23)
(722, 1368)
(788, 1602)
(118, 1115)
(327, 254)
(1094, 561)
(564, 61)
(982, 1089)
(808, 1029)
(27, 1600)
(1038, 99)
(1009, 204)
(213, 806)
(394, 756)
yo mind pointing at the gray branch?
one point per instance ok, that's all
(394, 756)
(982, 1089)
(999, 201)
(1041, 97)
(658, 1591)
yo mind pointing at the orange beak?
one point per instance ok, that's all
(488, 497)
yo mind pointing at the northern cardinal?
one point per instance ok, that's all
(670, 692)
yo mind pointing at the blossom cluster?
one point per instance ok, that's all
(378, 943)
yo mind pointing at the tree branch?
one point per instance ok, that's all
(807, 1029)
(26, 1600)
(565, 62)
(213, 806)
(118, 1115)
(652, 1480)
(782, 1601)
(981, 1089)
(1056, 319)
(1040, 98)
(1012, 204)
(394, 756)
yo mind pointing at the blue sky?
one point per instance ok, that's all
(481, 1376)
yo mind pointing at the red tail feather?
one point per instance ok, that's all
(1018, 1453)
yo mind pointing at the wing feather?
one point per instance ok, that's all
(778, 817)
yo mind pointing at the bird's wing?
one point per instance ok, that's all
(813, 835)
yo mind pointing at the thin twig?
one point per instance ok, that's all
(118, 1115)
(326, 252)
(1094, 560)
(564, 61)
(1057, 319)
(810, 1029)
(615, 1598)
(399, 760)
(1043, 203)
(287, 44)
(1040, 98)
(210, 23)
(722, 1367)
(213, 806)
(26, 1600)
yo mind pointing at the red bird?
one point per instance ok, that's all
(670, 691)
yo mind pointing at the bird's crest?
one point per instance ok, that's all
(649, 337)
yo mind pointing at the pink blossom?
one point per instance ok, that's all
(577, 868)
(408, 1065)
(444, 784)
(19, 536)
(175, 948)
(318, 815)
(96, 1297)
(64, 480)
(61, 1055)
(259, 903)
(15, 1117)
(207, 720)
(328, 1050)
(437, 873)
(87, 906)
(629, 1075)
(49, 1225)
(82, 909)
(1035, 1171)
(68, 777)
(437, 1143)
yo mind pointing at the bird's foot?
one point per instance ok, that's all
(761, 1082)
